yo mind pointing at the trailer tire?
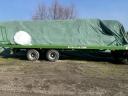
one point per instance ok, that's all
(52, 55)
(33, 55)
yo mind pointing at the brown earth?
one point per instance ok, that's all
(84, 76)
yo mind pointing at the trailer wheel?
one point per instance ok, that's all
(52, 55)
(33, 55)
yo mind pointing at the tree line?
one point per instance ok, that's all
(55, 11)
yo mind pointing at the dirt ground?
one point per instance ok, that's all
(83, 76)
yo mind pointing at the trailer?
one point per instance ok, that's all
(55, 36)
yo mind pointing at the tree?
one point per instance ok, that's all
(55, 12)
(41, 13)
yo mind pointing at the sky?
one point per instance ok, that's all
(102, 9)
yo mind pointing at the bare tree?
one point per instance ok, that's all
(55, 12)
(41, 12)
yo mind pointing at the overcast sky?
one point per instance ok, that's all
(102, 9)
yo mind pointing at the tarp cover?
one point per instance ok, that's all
(92, 32)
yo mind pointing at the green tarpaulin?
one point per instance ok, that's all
(92, 32)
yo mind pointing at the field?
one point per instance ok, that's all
(74, 75)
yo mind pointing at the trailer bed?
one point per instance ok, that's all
(64, 47)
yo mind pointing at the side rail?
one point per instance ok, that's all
(3, 36)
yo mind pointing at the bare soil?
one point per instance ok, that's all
(70, 76)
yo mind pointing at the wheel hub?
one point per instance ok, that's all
(52, 55)
(33, 55)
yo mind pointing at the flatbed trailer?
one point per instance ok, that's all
(52, 51)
